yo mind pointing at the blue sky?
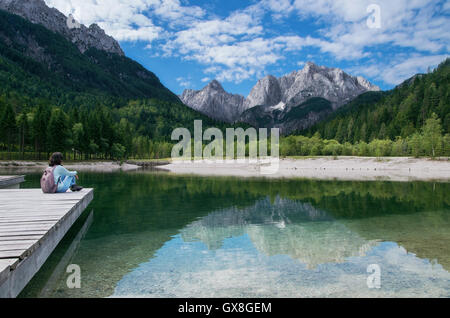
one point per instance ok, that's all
(187, 43)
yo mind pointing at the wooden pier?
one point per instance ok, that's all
(11, 182)
(31, 226)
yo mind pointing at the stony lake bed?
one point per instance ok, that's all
(158, 234)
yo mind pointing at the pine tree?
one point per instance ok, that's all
(382, 134)
(363, 133)
(22, 122)
(40, 122)
(350, 130)
(58, 133)
(78, 137)
(340, 132)
(8, 126)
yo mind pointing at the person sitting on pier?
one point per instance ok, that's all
(64, 179)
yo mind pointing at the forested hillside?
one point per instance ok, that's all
(412, 119)
(401, 112)
(103, 105)
(92, 104)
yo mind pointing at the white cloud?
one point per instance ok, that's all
(396, 72)
(129, 20)
(232, 42)
(241, 45)
(404, 23)
(184, 82)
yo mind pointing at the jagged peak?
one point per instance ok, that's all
(270, 77)
(311, 66)
(214, 102)
(283, 93)
(365, 83)
(37, 11)
(215, 84)
(267, 80)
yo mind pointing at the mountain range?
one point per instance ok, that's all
(46, 58)
(37, 12)
(36, 41)
(400, 112)
(292, 102)
(215, 102)
(53, 70)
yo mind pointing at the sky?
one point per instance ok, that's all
(188, 43)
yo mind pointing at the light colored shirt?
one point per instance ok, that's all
(61, 171)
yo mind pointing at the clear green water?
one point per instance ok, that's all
(157, 235)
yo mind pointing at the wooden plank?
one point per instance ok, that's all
(13, 254)
(27, 221)
(11, 181)
(27, 231)
(6, 265)
(39, 227)
(4, 244)
(15, 246)
(19, 238)
(31, 225)
(32, 232)
(25, 218)
(17, 235)
(52, 198)
(25, 224)
(18, 206)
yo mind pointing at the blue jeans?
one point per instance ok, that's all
(65, 182)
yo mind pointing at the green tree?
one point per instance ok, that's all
(432, 134)
(78, 138)
(8, 126)
(58, 132)
(340, 134)
(93, 148)
(415, 144)
(23, 125)
(118, 151)
(40, 122)
(350, 132)
(382, 134)
(363, 133)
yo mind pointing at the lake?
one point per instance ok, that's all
(149, 234)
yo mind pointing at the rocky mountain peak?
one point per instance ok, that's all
(215, 85)
(36, 11)
(276, 97)
(310, 67)
(215, 102)
(267, 91)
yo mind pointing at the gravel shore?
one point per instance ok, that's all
(328, 168)
(106, 166)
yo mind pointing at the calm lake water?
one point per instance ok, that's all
(156, 235)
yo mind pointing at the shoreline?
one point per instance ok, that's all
(89, 166)
(328, 168)
(319, 168)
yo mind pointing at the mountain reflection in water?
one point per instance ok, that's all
(156, 235)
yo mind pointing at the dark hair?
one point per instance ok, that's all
(56, 159)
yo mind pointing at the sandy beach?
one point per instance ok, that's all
(93, 166)
(328, 168)
(322, 168)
